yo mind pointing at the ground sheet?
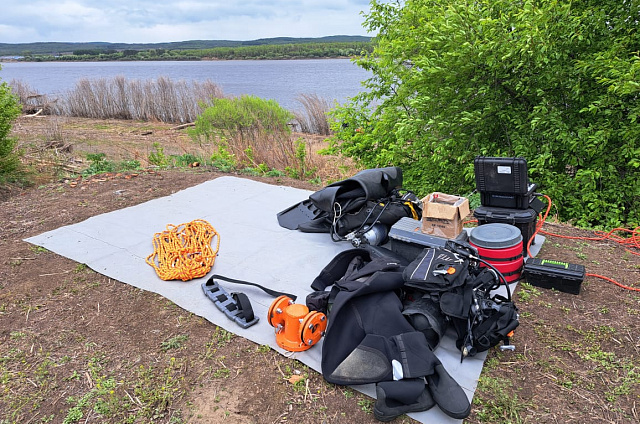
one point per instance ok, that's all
(253, 247)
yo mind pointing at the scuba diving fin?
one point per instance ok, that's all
(297, 214)
(355, 198)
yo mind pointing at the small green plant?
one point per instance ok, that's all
(99, 164)
(175, 342)
(222, 373)
(275, 173)
(223, 159)
(263, 348)
(76, 412)
(185, 160)
(157, 157)
(17, 335)
(38, 249)
(348, 393)
(366, 405)
(128, 165)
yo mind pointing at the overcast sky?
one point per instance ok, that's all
(154, 21)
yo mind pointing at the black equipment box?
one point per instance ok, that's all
(550, 274)
(502, 200)
(407, 239)
(524, 219)
(503, 182)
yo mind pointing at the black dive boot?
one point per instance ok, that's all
(448, 394)
(395, 398)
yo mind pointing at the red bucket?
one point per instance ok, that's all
(501, 246)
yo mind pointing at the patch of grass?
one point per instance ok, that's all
(185, 160)
(100, 165)
(38, 249)
(219, 339)
(526, 291)
(145, 395)
(497, 401)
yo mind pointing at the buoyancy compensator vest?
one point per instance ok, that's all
(465, 293)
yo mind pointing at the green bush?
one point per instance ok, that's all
(251, 130)
(10, 166)
(554, 82)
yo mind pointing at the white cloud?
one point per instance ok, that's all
(162, 20)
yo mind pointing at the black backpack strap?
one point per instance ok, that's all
(269, 291)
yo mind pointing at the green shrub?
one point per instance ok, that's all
(183, 161)
(10, 166)
(100, 165)
(157, 157)
(553, 82)
(250, 131)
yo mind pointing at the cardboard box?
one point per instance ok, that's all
(442, 214)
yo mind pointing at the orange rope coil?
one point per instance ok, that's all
(184, 251)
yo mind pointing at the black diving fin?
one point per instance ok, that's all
(297, 214)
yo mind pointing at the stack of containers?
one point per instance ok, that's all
(507, 197)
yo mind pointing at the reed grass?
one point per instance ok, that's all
(313, 117)
(30, 99)
(161, 100)
(255, 134)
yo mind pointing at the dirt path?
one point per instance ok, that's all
(76, 346)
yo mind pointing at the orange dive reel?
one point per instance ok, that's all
(297, 329)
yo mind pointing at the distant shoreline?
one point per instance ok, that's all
(176, 60)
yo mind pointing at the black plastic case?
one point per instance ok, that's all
(407, 239)
(503, 182)
(512, 201)
(550, 274)
(524, 219)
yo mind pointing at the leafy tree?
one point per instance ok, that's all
(556, 82)
(9, 158)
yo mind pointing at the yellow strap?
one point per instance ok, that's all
(414, 213)
(184, 251)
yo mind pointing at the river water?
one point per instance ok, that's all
(335, 80)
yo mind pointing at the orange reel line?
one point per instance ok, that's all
(296, 328)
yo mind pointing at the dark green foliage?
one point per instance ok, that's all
(54, 48)
(269, 48)
(554, 82)
(10, 166)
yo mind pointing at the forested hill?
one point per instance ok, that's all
(54, 48)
